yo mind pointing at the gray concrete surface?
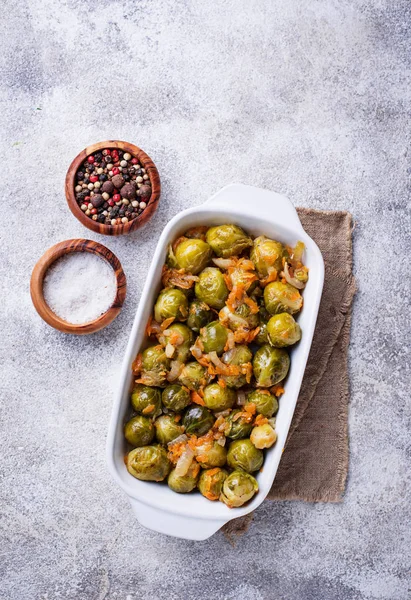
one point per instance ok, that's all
(308, 98)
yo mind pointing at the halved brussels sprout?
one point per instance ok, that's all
(243, 455)
(211, 482)
(194, 376)
(192, 255)
(171, 302)
(282, 330)
(239, 355)
(282, 298)
(228, 240)
(183, 484)
(197, 420)
(146, 400)
(214, 337)
(265, 403)
(199, 315)
(263, 436)
(175, 397)
(239, 426)
(267, 253)
(167, 429)
(148, 463)
(238, 488)
(155, 365)
(219, 398)
(139, 431)
(211, 454)
(182, 351)
(241, 318)
(211, 288)
(270, 365)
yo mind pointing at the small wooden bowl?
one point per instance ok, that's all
(151, 171)
(39, 272)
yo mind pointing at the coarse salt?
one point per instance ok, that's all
(79, 287)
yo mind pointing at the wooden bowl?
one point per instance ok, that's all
(39, 272)
(151, 171)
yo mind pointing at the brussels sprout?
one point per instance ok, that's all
(214, 337)
(270, 365)
(219, 398)
(282, 330)
(146, 400)
(183, 484)
(175, 397)
(139, 431)
(282, 297)
(267, 253)
(228, 240)
(243, 455)
(197, 420)
(211, 454)
(193, 376)
(239, 427)
(171, 302)
(155, 365)
(167, 429)
(262, 336)
(238, 488)
(199, 315)
(263, 436)
(192, 255)
(211, 288)
(211, 482)
(182, 352)
(241, 318)
(149, 463)
(239, 355)
(266, 404)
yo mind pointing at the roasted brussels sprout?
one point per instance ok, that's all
(214, 337)
(146, 400)
(192, 255)
(139, 431)
(227, 240)
(242, 454)
(219, 398)
(197, 420)
(155, 365)
(282, 330)
(199, 315)
(211, 454)
(167, 429)
(175, 397)
(241, 318)
(267, 253)
(180, 331)
(239, 426)
(149, 463)
(211, 288)
(211, 482)
(183, 484)
(239, 355)
(266, 404)
(282, 297)
(193, 376)
(270, 365)
(263, 436)
(171, 302)
(238, 488)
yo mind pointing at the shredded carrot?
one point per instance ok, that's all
(277, 390)
(250, 408)
(196, 398)
(148, 409)
(260, 420)
(177, 418)
(165, 324)
(221, 383)
(137, 364)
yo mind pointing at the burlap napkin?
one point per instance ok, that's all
(315, 461)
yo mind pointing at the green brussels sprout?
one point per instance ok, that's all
(265, 403)
(282, 330)
(282, 297)
(270, 365)
(239, 355)
(243, 455)
(239, 427)
(197, 420)
(238, 488)
(194, 376)
(155, 365)
(228, 240)
(213, 337)
(263, 436)
(211, 454)
(199, 315)
(267, 253)
(171, 302)
(211, 482)
(167, 429)
(175, 397)
(211, 288)
(262, 336)
(241, 318)
(183, 484)
(146, 400)
(148, 463)
(218, 398)
(139, 431)
(192, 255)
(182, 352)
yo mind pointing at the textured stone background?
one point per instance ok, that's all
(308, 98)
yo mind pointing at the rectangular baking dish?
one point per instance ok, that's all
(258, 211)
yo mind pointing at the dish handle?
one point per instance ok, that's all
(175, 525)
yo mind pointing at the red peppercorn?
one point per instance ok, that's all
(93, 178)
(93, 211)
(90, 159)
(116, 197)
(116, 171)
(106, 152)
(111, 202)
(87, 198)
(134, 161)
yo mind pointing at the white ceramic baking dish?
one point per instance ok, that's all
(258, 211)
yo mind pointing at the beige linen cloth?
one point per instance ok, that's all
(315, 460)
